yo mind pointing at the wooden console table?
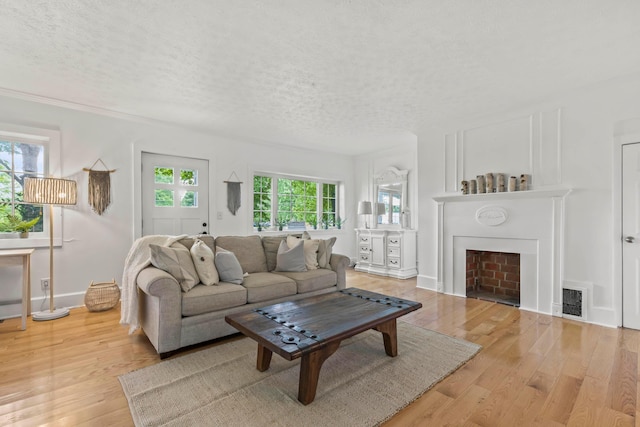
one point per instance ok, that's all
(17, 257)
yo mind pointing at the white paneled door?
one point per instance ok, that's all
(175, 195)
(631, 236)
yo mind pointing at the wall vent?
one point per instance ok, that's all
(574, 303)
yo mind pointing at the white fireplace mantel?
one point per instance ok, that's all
(511, 195)
(527, 222)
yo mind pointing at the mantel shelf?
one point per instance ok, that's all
(513, 195)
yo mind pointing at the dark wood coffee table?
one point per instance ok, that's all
(312, 328)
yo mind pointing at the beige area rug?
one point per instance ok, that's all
(359, 384)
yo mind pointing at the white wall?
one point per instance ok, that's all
(95, 246)
(588, 122)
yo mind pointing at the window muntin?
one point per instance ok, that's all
(281, 201)
(19, 160)
(297, 201)
(329, 205)
(262, 201)
(167, 187)
(48, 164)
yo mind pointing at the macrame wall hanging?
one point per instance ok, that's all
(233, 193)
(99, 187)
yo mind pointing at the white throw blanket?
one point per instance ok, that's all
(138, 258)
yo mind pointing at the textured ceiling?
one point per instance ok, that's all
(347, 76)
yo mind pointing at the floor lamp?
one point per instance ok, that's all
(52, 192)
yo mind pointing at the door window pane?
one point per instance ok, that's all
(163, 175)
(189, 199)
(188, 177)
(164, 198)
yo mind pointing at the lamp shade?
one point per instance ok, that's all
(364, 208)
(50, 191)
(381, 209)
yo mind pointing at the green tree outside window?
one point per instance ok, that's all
(18, 161)
(301, 201)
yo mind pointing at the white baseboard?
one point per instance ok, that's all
(602, 316)
(427, 282)
(72, 300)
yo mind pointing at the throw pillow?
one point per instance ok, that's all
(271, 245)
(290, 259)
(325, 249)
(228, 266)
(310, 251)
(177, 262)
(203, 260)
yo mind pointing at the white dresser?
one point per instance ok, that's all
(387, 252)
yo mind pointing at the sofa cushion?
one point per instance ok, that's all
(290, 258)
(228, 267)
(267, 286)
(312, 280)
(203, 261)
(205, 299)
(187, 242)
(310, 250)
(248, 250)
(177, 262)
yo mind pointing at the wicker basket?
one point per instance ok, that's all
(102, 296)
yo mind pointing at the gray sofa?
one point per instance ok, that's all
(173, 319)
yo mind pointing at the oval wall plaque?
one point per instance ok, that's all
(491, 215)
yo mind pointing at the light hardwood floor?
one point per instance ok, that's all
(533, 369)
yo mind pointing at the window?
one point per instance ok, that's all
(294, 202)
(24, 152)
(19, 160)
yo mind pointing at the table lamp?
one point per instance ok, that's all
(364, 208)
(52, 192)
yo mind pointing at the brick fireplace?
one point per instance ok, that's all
(494, 276)
(528, 223)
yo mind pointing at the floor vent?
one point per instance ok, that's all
(574, 303)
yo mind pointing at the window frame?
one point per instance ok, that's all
(50, 139)
(319, 182)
